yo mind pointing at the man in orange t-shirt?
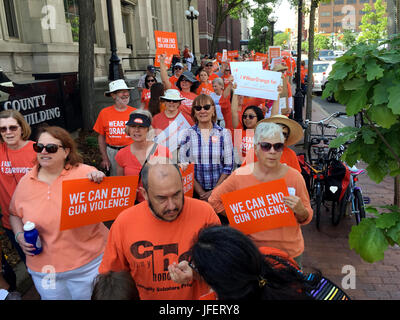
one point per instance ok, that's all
(147, 238)
(110, 125)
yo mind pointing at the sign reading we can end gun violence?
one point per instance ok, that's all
(259, 208)
(85, 202)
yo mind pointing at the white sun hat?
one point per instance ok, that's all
(172, 94)
(117, 85)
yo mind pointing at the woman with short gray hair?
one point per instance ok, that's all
(269, 144)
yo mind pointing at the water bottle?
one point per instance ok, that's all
(31, 236)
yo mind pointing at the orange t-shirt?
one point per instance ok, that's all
(14, 165)
(39, 202)
(145, 98)
(161, 121)
(186, 105)
(111, 124)
(205, 88)
(145, 245)
(288, 156)
(131, 165)
(211, 77)
(225, 104)
(288, 239)
(173, 79)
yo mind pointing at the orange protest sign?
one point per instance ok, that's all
(166, 42)
(232, 55)
(188, 179)
(218, 56)
(260, 56)
(274, 52)
(85, 202)
(259, 207)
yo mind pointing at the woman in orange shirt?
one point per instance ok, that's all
(148, 82)
(269, 143)
(71, 256)
(156, 105)
(17, 157)
(206, 86)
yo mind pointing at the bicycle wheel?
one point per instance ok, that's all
(318, 203)
(359, 209)
(339, 208)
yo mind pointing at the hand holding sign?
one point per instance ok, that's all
(96, 176)
(295, 203)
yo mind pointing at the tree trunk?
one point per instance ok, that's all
(314, 5)
(396, 200)
(218, 24)
(87, 19)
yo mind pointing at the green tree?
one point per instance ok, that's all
(349, 38)
(260, 17)
(321, 42)
(281, 39)
(366, 79)
(373, 23)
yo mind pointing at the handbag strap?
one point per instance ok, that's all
(153, 149)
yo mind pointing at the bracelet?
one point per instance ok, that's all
(16, 236)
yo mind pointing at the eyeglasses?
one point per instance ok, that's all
(166, 100)
(184, 79)
(11, 128)
(177, 68)
(266, 146)
(151, 80)
(50, 148)
(206, 107)
(250, 116)
(209, 65)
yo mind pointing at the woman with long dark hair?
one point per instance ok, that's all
(156, 105)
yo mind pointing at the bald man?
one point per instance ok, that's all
(147, 238)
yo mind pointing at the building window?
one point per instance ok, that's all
(154, 14)
(351, 1)
(325, 14)
(72, 16)
(364, 1)
(11, 18)
(325, 25)
(337, 13)
(338, 1)
(337, 24)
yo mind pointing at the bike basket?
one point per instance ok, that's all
(337, 181)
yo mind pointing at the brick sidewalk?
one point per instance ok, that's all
(328, 249)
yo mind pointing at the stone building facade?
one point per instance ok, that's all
(39, 36)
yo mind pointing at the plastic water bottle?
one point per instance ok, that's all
(31, 236)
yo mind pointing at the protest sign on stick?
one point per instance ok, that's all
(259, 207)
(188, 180)
(85, 202)
(274, 52)
(166, 42)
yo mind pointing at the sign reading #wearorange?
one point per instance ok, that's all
(85, 202)
(259, 207)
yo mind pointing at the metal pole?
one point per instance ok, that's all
(194, 50)
(272, 33)
(115, 68)
(298, 97)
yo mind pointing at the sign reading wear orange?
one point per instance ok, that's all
(85, 202)
(188, 180)
(274, 52)
(166, 42)
(259, 207)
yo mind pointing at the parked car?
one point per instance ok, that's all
(321, 70)
(338, 53)
(326, 55)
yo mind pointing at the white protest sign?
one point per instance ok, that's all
(258, 83)
(276, 61)
(169, 137)
(243, 67)
(224, 55)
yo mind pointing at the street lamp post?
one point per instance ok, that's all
(192, 14)
(272, 20)
(298, 97)
(264, 31)
(115, 68)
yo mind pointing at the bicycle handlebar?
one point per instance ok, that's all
(322, 122)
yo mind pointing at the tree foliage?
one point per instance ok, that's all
(366, 79)
(373, 23)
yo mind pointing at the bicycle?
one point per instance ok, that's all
(319, 157)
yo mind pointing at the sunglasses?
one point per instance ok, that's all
(209, 65)
(50, 148)
(151, 80)
(249, 116)
(206, 107)
(166, 100)
(177, 68)
(11, 128)
(266, 146)
(184, 79)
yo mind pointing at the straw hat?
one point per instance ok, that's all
(116, 85)
(279, 67)
(296, 130)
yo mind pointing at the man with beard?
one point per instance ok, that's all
(147, 238)
(110, 125)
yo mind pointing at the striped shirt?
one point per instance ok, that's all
(212, 158)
